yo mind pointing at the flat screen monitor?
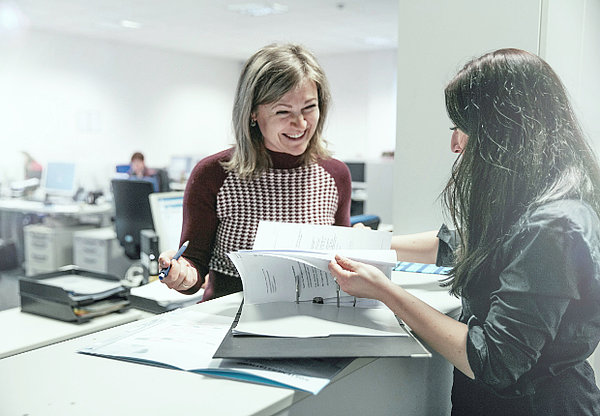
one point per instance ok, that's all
(58, 179)
(132, 212)
(180, 168)
(167, 214)
(357, 171)
(123, 168)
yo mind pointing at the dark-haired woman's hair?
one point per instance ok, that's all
(525, 148)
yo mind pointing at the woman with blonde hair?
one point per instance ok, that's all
(278, 170)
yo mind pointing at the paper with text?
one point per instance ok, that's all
(278, 235)
(187, 339)
(289, 290)
(287, 275)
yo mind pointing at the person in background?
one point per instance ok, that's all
(524, 196)
(33, 169)
(278, 170)
(137, 167)
(138, 170)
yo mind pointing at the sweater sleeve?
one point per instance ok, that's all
(200, 213)
(341, 175)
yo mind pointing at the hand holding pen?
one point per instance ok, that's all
(164, 272)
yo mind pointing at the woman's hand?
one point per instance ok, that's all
(182, 275)
(360, 279)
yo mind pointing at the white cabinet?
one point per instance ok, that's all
(48, 248)
(98, 250)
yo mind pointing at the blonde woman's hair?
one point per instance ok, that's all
(266, 77)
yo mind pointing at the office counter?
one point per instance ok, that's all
(57, 380)
(22, 331)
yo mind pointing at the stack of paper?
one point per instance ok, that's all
(156, 297)
(289, 291)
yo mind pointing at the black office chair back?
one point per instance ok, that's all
(164, 184)
(132, 212)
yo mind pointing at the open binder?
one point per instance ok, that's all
(73, 295)
(338, 346)
(293, 307)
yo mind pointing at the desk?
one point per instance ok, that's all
(14, 212)
(23, 331)
(57, 380)
(67, 209)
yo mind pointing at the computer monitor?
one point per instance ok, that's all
(167, 214)
(124, 168)
(132, 212)
(59, 179)
(180, 168)
(357, 171)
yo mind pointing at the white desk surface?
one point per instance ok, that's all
(57, 380)
(23, 331)
(26, 206)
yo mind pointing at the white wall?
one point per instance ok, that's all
(571, 45)
(95, 102)
(436, 39)
(75, 98)
(362, 122)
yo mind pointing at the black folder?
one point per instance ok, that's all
(249, 346)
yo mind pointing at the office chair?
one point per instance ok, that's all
(163, 180)
(132, 213)
(371, 221)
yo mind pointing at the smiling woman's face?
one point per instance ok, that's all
(287, 125)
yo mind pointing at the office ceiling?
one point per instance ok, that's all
(216, 27)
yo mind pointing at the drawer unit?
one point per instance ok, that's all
(48, 248)
(98, 250)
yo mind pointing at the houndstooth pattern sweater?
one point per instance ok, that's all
(221, 211)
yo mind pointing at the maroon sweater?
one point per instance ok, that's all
(221, 211)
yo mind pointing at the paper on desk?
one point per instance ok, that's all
(187, 339)
(271, 235)
(84, 285)
(165, 296)
(307, 320)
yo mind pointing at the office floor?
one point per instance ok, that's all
(9, 288)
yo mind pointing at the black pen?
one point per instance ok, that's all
(164, 272)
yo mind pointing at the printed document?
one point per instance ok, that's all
(187, 339)
(279, 235)
(289, 291)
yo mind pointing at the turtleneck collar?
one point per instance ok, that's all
(284, 160)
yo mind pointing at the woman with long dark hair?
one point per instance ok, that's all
(524, 197)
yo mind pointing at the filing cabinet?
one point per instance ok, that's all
(48, 248)
(98, 250)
